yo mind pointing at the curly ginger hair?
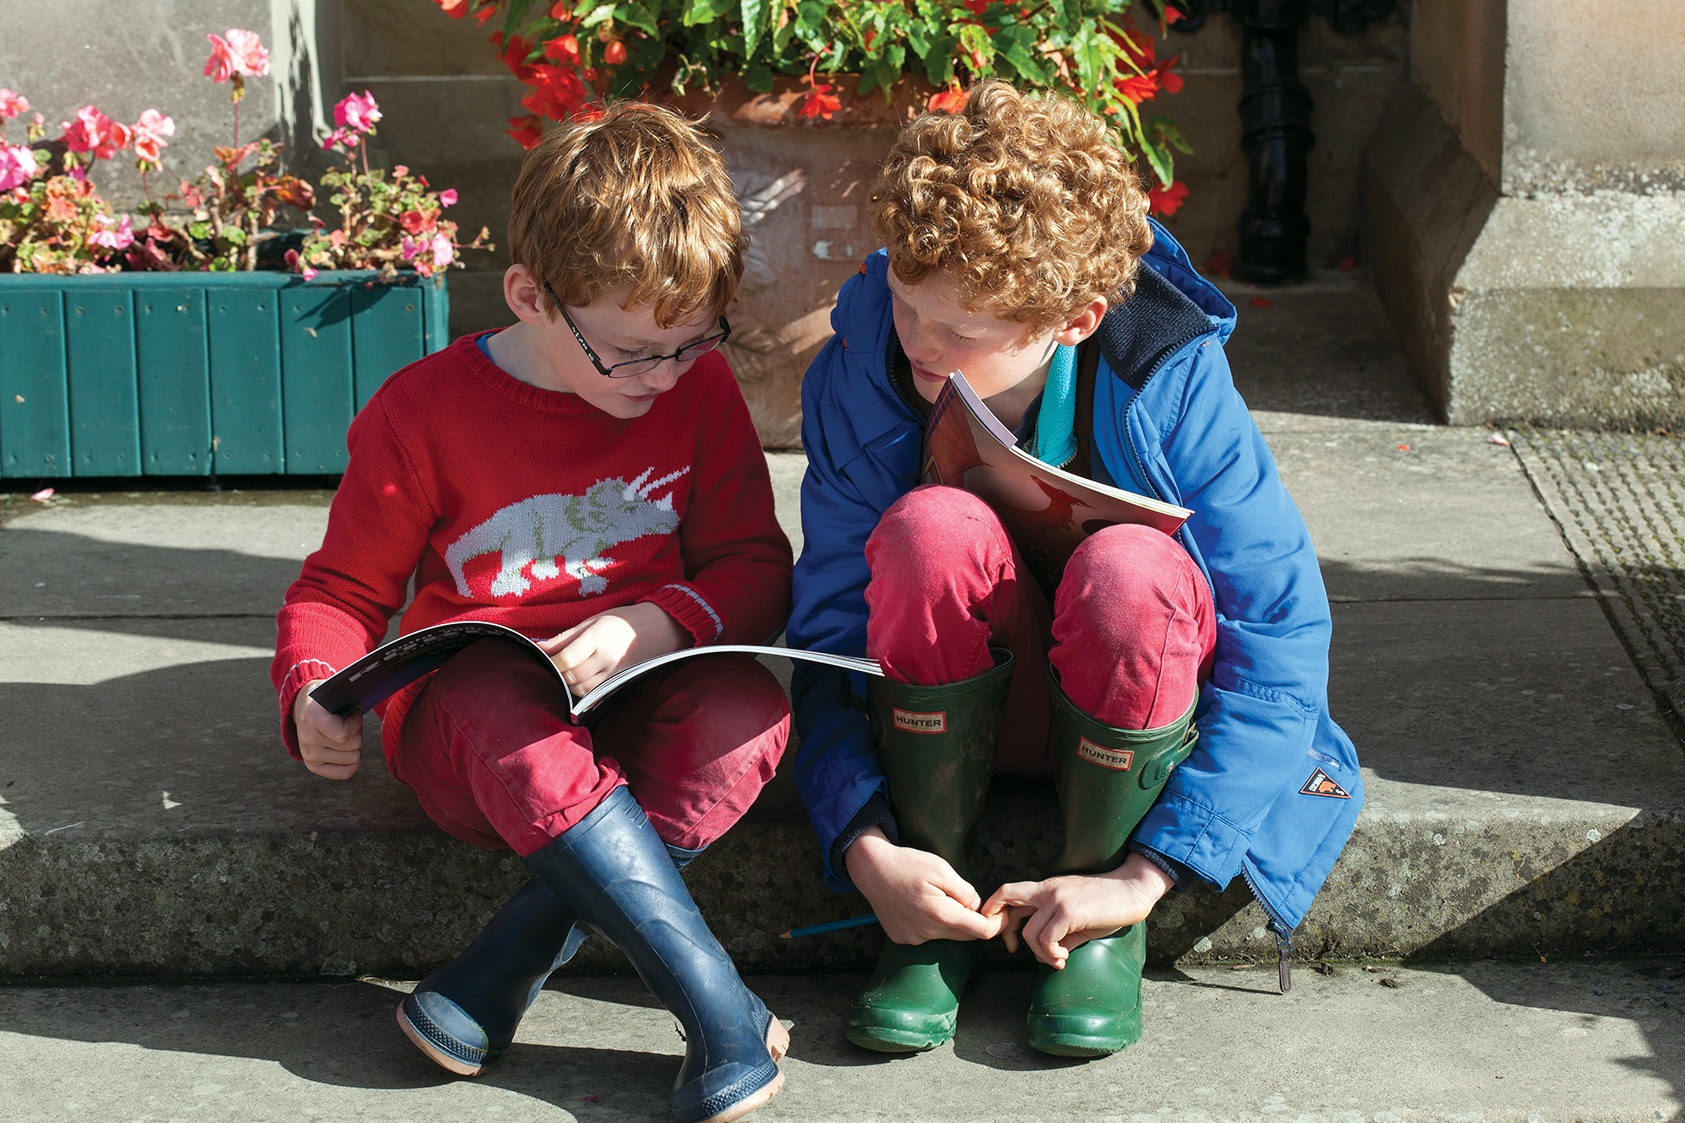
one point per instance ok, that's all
(1021, 200)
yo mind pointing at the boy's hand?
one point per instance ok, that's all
(588, 653)
(332, 746)
(1062, 913)
(917, 895)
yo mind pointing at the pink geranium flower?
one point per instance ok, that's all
(250, 57)
(94, 132)
(150, 132)
(443, 252)
(242, 53)
(357, 111)
(119, 239)
(17, 166)
(12, 104)
(447, 197)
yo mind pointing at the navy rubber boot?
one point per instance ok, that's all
(614, 871)
(464, 1015)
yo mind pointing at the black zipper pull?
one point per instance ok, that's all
(1284, 961)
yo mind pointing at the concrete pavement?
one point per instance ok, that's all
(1526, 800)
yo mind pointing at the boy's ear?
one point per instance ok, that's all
(525, 296)
(1084, 324)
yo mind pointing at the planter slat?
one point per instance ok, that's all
(316, 383)
(104, 395)
(246, 437)
(34, 385)
(387, 332)
(175, 382)
(187, 374)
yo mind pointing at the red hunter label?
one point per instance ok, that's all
(1118, 760)
(1323, 784)
(912, 721)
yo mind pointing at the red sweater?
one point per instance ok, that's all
(532, 509)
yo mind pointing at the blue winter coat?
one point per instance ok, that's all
(1272, 788)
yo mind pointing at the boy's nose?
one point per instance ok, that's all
(665, 375)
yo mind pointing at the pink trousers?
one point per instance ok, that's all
(493, 758)
(1130, 632)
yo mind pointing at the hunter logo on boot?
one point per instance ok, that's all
(1118, 760)
(1322, 784)
(913, 721)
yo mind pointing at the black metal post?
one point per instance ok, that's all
(1275, 120)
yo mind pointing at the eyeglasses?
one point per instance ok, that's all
(631, 368)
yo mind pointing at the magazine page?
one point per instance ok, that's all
(394, 665)
(1048, 511)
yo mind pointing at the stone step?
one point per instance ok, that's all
(1526, 797)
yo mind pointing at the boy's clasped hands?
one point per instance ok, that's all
(918, 896)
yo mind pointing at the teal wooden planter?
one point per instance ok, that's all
(195, 374)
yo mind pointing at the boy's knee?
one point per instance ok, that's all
(1132, 564)
(928, 526)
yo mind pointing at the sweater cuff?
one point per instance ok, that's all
(1174, 870)
(874, 812)
(693, 612)
(300, 673)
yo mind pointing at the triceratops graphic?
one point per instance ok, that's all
(571, 533)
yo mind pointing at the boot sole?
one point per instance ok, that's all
(777, 1044)
(895, 1041)
(1079, 1047)
(433, 1053)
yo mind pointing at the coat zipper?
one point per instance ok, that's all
(1283, 935)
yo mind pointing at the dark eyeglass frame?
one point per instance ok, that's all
(688, 352)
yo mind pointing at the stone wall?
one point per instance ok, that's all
(447, 99)
(1525, 211)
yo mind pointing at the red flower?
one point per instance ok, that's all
(561, 9)
(557, 92)
(563, 48)
(976, 7)
(1171, 81)
(1138, 88)
(514, 55)
(455, 9)
(950, 100)
(1166, 200)
(820, 102)
(526, 131)
(415, 222)
(615, 53)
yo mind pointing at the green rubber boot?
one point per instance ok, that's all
(938, 749)
(1107, 779)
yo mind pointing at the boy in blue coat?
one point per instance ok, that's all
(1174, 688)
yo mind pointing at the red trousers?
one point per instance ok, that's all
(494, 759)
(1131, 630)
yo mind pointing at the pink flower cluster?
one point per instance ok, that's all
(356, 115)
(92, 134)
(241, 54)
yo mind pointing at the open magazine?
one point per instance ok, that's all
(1047, 511)
(394, 665)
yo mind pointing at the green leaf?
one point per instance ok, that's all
(1160, 160)
(640, 17)
(600, 14)
(754, 23)
(1163, 131)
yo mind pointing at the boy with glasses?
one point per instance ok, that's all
(589, 477)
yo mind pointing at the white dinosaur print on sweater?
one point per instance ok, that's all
(554, 534)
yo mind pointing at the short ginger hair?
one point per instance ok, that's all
(1022, 200)
(637, 199)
